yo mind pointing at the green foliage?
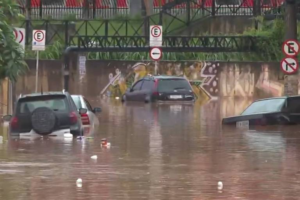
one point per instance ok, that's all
(52, 52)
(271, 37)
(171, 56)
(12, 62)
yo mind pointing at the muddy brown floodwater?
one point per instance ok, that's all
(157, 152)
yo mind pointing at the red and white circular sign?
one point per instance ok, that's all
(19, 35)
(289, 65)
(38, 36)
(156, 31)
(290, 48)
(155, 53)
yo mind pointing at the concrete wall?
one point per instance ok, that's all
(210, 80)
(50, 77)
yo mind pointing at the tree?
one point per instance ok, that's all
(12, 62)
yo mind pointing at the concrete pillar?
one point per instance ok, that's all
(291, 81)
(135, 7)
(149, 7)
(73, 73)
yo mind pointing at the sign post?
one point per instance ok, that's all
(289, 65)
(38, 44)
(156, 36)
(156, 41)
(20, 36)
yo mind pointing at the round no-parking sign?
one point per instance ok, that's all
(290, 48)
(289, 65)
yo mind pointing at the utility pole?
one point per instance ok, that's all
(291, 81)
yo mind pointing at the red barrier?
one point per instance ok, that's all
(208, 4)
(100, 4)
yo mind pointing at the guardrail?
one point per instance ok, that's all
(106, 9)
(170, 43)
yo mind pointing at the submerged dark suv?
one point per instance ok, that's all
(160, 88)
(45, 113)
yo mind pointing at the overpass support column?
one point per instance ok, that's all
(135, 7)
(70, 72)
(291, 81)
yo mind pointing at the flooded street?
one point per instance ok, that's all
(157, 152)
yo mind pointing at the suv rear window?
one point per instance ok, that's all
(167, 85)
(29, 104)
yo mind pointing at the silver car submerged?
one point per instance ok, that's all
(89, 119)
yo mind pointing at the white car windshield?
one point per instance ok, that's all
(264, 106)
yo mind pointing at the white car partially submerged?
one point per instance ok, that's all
(89, 119)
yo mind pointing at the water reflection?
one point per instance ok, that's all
(155, 161)
(157, 152)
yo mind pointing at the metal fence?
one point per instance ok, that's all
(106, 9)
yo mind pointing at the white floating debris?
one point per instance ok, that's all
(79, 182)
(79, 185)
(94, 157)
(117, 98)
(220, 185)
(68, 135)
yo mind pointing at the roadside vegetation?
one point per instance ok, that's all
(12, 61)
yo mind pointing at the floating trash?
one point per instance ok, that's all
(104, 143)
(220, 185)
(80, 137)
(95, 157)
(79, 182)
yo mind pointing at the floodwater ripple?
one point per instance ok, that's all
(157, 152)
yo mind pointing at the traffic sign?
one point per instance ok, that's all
(39, 40)
(20, 36)
(155, 53)
(290, 48)
(156, 36)
(289, 65)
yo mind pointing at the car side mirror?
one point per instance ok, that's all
(7, 118)
(131, 90)
(97, 110)
(82, 111)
